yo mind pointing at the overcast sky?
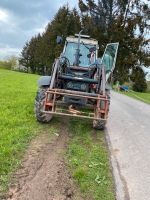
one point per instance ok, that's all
(22, 19)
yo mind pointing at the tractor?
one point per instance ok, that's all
(79, 85)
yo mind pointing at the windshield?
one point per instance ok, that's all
(87, 58)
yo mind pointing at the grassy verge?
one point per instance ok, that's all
(88, 161)
(145, 97)
(17, 122)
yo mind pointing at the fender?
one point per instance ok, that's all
(44, 81)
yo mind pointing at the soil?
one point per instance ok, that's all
(43, 174)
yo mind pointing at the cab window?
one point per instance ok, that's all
(86, 58)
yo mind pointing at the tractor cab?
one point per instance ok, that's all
(81, 52)
(78, 63)
(81, 69)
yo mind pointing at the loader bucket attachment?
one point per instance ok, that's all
(52, 106)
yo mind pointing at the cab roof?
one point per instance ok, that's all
(85, 40)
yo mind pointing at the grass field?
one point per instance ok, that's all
(142, 96)
(145, 97)
(17, 122)
(87, 153)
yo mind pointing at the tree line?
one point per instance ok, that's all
(123, 21)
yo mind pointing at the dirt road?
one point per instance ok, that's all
(128, 134)
(44, 175)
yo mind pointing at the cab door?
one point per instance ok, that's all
(109, 58)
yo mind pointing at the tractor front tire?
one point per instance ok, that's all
(39, 106)
(99, 124)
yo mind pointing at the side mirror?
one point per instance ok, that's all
(59, 40)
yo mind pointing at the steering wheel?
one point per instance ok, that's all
(64, 61)
(64, 64)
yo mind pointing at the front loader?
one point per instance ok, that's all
(79, 84)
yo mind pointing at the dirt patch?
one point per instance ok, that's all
(43, 174)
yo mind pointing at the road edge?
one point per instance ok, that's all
(121, 190)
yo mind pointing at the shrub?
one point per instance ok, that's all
(138, 79)
(140, 86)
(5, 65)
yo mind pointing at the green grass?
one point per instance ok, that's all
(17, 121)
(87, 152)
(145, 97)
(88, 161)
(142, 96)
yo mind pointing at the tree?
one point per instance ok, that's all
(138, 79)
(39, 53)
(24, 59)
(123, 21)
(118, 21)
(13, 62)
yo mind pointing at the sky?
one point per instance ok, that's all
(22, 19)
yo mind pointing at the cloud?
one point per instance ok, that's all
(3, 16)
(20, 20)
(10, 51)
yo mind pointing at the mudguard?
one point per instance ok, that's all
(44, 81)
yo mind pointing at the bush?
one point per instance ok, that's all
(138, 79)
(13, 61)
(5, 65)
(10, 63)
(140, 86)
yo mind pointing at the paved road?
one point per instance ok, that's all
(128, 134)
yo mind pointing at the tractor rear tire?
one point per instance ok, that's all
(39, 106)
(99, 124)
